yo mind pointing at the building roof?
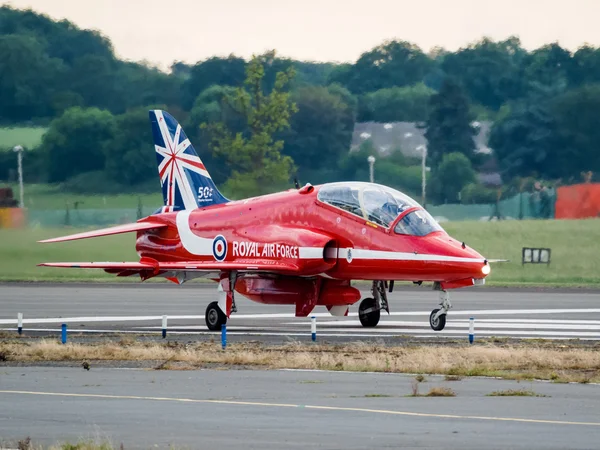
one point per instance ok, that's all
(407, 136)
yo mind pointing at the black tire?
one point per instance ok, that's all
(368, 319)
(439, 323)
(214, 317)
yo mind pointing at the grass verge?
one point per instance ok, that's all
(28, 444)
(29, 137)
(573, 244)
(515, 393)
(510, 362)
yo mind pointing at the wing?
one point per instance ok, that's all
(138, 226)
(148, 267)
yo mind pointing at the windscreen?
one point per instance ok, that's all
(417, 223)
(373, 202)
(382, 206)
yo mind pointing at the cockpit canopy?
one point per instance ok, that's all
(381, 205)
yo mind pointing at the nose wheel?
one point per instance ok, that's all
(437, 318)
(437, 322)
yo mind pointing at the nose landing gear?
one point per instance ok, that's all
(437, 318)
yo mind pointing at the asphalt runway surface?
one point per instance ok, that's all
(519, 313)
(288, 409)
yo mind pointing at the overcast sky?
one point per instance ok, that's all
(162, 31)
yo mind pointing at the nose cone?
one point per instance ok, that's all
(462, 259)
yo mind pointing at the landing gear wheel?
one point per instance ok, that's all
(439, 323)
(214, 317)
(368, 313)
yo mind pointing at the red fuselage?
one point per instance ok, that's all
(327, 247)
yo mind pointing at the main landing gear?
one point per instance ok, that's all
(214, 317)
(217, 312)
(369, 310)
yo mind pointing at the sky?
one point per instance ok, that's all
(162, 31)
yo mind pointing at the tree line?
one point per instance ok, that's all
(542, 103)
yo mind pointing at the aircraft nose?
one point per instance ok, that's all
(477, 268)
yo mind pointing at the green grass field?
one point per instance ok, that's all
(574, 244)
(29, 137)
(51, 197)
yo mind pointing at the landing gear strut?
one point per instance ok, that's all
(369, 310)
(437, 318)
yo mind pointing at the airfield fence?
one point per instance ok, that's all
(81, 218)
(523, 206)
(538, 205)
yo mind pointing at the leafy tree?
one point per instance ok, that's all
(255, 156)
(394, 63)
(61, 39)
(212, 107)
(490, 71)
(26, 77)
(130, 158)
(577, 132)
(321, 130)
(140, 84)
(74, 142)
(397, 104)
(93, 78)
(312, 73)
(549, 65)
(585, 67)
(453, 173)
(228, 71)
(449, 127)
(523, 141)
(550, 135)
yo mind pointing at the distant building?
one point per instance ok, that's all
(408, 138)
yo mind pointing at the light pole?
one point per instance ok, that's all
(19, 151)
(371, 160)
(423, 173)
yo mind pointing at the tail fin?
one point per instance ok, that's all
(186, 184)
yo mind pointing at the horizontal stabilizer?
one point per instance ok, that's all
(138, 226)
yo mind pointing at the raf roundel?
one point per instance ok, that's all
(219, 248)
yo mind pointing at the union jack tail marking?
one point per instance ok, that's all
(186, 184)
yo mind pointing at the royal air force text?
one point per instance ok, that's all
(254, 249)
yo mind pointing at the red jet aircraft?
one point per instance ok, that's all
(300, 247)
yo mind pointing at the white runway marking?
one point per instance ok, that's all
(284, 324)
(345, 409)
(481, 312)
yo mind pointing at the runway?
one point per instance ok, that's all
(288, 409)
(520, 313)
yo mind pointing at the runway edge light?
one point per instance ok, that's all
(471, 329)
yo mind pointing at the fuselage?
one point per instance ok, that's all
(298, 227)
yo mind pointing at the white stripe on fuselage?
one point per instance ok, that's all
(193, 243)
(360, 253)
